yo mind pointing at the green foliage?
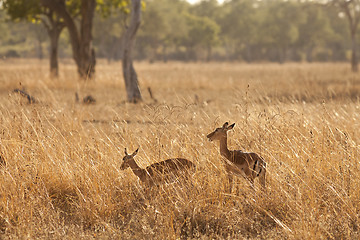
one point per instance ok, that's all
(163, 26)
(207, 8)
(240, 22)
(108, 7)
(14, 40)
(281, 27)
(155, 27)
(316, 28)
(22, 9)
(202, 31)
(112, 28)
(270, 30)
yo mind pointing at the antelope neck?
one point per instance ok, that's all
(224, 151)
(136, 169)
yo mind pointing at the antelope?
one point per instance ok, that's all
(157, 172)
(248, 164)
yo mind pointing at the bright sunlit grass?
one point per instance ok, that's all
(62, 176)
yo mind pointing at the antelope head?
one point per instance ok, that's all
(220, 132)
(127, 158)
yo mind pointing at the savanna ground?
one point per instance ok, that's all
(60, 175)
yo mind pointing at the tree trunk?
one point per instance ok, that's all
(164, 52)
(208, 53)
(40, 49)
(309, 56)
(54, 26)
(354, 60)
(54, 33)
(86, 52)
(248, 52)
(282, 55)
(353, 18)
(54, 40)
(81, 41)
(130, 76)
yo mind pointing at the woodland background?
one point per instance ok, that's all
(246, 30)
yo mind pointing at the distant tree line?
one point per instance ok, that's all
(244, 30)
(237, 30)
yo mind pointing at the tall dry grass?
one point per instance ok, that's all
(62, 178)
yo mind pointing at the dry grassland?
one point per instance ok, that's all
(62, 179)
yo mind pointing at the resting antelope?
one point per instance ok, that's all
(249, 165)
(157, 172)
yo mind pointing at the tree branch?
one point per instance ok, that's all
(58, 6)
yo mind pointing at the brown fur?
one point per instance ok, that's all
(250, 165)
(158, 172)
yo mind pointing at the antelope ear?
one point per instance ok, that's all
(126, 152)
(231, 126)
(225, 125)
(134, 153)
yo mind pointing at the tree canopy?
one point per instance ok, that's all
(241, 30)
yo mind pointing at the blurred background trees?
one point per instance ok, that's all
(237, 30)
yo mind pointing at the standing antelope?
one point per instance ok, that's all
(157, 172)
(249, 165)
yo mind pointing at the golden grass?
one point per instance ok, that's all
(62, 177)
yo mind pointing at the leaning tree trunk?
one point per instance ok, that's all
(130, 76)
